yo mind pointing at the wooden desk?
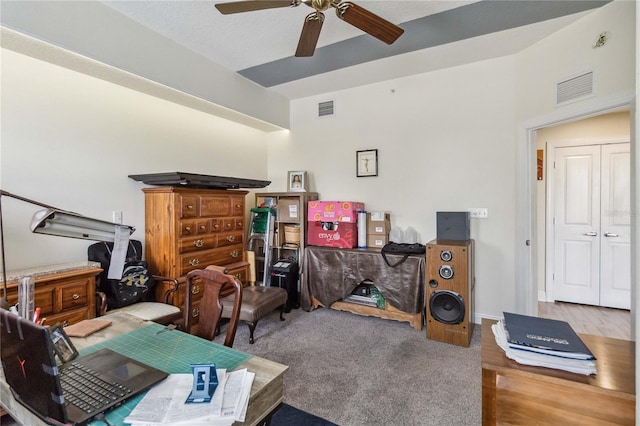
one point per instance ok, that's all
(513, 393)
(267, 392)
(330, 274)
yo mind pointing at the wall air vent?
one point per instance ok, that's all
(578, 87)
(325, 109)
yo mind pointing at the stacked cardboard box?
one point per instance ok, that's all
(333, 223)
(378, 227)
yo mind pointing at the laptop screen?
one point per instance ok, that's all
(30, 367)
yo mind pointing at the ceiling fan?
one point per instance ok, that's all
(353, 14)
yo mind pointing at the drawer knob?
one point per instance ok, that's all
(195, 289)
(238, 206)
(228, 225)
(235, 253)
(216, 226)
(187, 229)
(65, 323)
(198, 243)
(189, 206)
(194, 262)
(195, 312)
(239, 223)
(75, 296)
(231, 238)
(238, 276)
(203, 227)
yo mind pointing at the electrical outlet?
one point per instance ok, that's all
(478, 213)
(117, 217)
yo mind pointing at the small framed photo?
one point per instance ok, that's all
(367, 163)
(297, 181)
(62, 344)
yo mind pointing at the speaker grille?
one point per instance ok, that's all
(447, 307)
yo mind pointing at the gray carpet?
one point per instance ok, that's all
(354, 370)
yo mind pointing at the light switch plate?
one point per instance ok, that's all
(478, 213)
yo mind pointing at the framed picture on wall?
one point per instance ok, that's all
(367, 163)
(297, 181)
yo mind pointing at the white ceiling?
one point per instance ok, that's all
(260, 45)
(243, 40)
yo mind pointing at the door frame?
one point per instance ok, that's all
(550, 200)
(526, 292)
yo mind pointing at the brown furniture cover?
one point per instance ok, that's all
(330, 274)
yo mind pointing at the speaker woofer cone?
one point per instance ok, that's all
(446, 307)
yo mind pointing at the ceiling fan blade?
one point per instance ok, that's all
(251, 5)
(368, 22)
(310, 34)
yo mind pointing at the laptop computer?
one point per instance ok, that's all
(44, 387)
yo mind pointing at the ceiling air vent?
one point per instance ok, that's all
(578, 87)
(325, 109)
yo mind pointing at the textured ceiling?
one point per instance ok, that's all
(260, 45)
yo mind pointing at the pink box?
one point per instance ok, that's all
(334, 211)
(332, 234)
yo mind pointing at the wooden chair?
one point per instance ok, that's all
(212, 279)
(257, 301)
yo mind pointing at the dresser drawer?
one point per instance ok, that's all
(70, 317)
(219, 256)
(212, 205)
(215, 225)
(231, 238)
(189, 245)
(189, 206)
(74, 295)
(237, 206)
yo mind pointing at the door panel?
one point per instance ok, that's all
(577, 225)
(615, 248)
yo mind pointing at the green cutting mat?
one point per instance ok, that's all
(171, 351)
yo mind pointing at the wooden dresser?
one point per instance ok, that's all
(189, 228)
(65, 293)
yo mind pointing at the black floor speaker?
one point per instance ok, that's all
(449, 295)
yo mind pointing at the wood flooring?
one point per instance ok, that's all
(587, 319)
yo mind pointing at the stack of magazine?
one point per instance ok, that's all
(543, 342)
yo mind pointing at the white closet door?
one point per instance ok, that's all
(615, 241)
(577, 225)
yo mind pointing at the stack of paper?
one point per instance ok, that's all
(544, 343)
(165, 403)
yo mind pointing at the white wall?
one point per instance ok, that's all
(71, 141)
(445, 143)
(447, 139)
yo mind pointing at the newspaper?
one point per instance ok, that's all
(164, 404)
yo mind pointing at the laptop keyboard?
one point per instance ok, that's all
(84, 388)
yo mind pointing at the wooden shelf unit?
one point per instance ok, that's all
(291, 209)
